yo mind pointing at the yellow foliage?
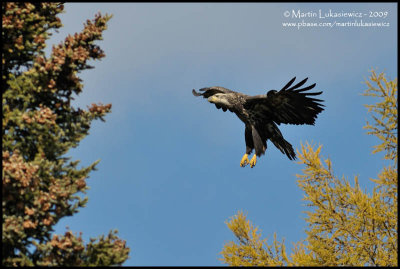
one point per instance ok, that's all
(251, 250)
(385, 114)
(347, 225)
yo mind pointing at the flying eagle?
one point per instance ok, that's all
(262, 113)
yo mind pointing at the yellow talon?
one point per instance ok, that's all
(245, 160)
(253, 161)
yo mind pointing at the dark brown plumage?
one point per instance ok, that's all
(262, 113)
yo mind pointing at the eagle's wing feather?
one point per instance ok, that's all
(207, 92)
(290, 105)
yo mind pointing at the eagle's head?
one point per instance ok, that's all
(220, 99)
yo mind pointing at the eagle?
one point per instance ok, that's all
(262, 114)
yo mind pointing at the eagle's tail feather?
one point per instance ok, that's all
(258, 142)
(284, 146)
(276, 137)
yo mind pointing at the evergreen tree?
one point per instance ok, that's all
(40, 125)
(348, 226)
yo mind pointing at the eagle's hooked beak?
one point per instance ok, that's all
(212, 99)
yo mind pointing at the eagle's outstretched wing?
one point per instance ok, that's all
(207, 92)
(290, 105)
(210, 91)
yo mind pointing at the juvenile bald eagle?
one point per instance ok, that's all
(262, 113)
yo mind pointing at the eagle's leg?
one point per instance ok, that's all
(249, 146)
(253, 161)
(245, 160)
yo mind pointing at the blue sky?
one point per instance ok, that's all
(169, 175)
